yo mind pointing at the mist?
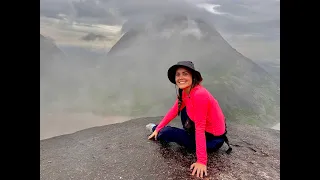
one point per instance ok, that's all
(89, 82)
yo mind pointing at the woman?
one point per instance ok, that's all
(201, 116)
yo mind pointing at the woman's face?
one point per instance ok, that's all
(183, 78)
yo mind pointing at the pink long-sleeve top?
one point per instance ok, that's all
(204, 110)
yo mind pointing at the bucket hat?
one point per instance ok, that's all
(187, 64)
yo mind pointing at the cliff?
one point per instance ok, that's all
(122, 151)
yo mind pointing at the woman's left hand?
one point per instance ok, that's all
(199, 169)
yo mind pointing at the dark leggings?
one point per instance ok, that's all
(183, 138)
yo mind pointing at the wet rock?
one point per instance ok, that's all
(122, 151)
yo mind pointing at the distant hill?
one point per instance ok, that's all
(48, 48)
(53, 76)
(65, 75)
(136, 81)
(49, 52)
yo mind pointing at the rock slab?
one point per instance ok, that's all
(122, 151)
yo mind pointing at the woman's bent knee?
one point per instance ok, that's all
(165, 131)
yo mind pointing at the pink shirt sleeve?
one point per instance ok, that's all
(200, 102)
(171, 114)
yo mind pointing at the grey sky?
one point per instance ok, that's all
(251, 26)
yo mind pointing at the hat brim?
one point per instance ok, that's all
(172, 73)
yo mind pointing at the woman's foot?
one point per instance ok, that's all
(150, 126)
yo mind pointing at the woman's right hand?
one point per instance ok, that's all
(154, 134)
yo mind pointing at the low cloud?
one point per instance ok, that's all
(94, 37)
(76, 34)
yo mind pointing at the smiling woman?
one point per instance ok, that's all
(204, 126)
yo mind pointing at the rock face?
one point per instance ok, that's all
(122, 151)
(142, 56)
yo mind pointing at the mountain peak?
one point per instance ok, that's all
(245, 91)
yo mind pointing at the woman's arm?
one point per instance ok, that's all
(200, 103)
(171, 114)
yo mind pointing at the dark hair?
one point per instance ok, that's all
(195, 82)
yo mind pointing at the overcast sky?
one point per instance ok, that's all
(250, 26)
